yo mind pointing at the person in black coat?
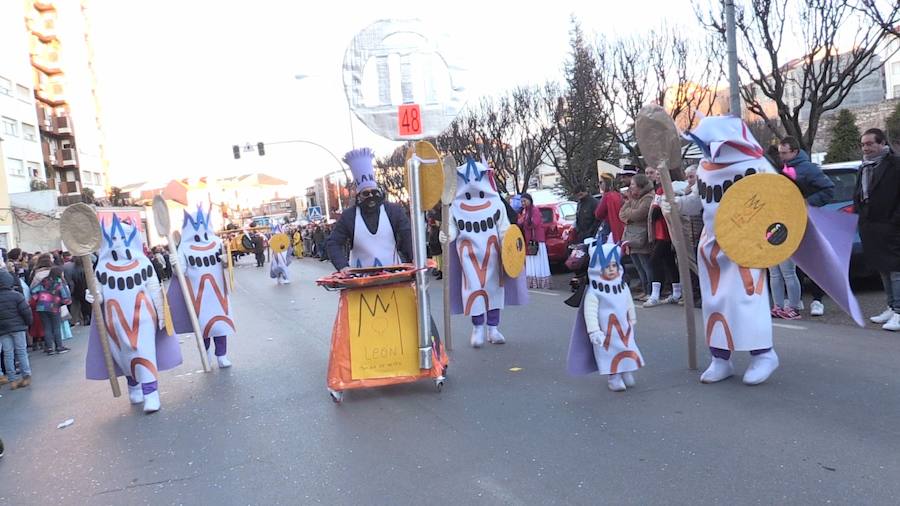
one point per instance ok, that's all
(585, 223)
(15, 317)
(877, 202)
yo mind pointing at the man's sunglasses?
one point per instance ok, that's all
(369, 193)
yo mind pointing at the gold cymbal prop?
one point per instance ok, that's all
(431, 173)
(280, 243)
(513, 251)
(761, 221)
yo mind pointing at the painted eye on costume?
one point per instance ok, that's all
(468, 196)
(128, 254)
(205, 236)
(115, 256)
(481, 194)
(197, 238)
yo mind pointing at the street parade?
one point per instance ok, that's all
(573, 293)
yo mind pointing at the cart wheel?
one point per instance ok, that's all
(439, 383)
(336, 396)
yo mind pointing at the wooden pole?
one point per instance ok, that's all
(189, 304)
(101, 324)
(684, 265)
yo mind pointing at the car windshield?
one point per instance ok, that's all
(844, 184)
(546, 215)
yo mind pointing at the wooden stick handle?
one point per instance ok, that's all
(445, 267)
(101, 324)
(684, 266)
(188, 304)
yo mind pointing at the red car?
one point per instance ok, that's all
(559, 223)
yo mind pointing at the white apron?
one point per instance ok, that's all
(373, 250)
(204, 269)
(735, 299)
(479, 258)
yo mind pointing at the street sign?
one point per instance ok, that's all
(314, 213)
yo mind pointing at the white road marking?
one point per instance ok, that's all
(543, 292)
(788, 326)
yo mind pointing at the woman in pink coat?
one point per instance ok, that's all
(537, 263)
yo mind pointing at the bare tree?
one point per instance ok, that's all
(800, 91)
(661, 67)
(884, 13)
(532, 132)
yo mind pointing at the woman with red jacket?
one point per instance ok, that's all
(608, 208)
(537, 263)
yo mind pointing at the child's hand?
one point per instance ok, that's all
(597, 337)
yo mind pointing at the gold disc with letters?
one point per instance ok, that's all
(279, 243)
(513, 251)
(431, 175)
(761, 221)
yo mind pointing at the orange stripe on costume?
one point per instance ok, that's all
(481, 268)
(712, 266)
(114, 310)
(474, 296)
(614, 365)
(146, 363)
(223, 299)
(213, 320)
(623, 336)
(711, 326)
(747, 278)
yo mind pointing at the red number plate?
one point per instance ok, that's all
(409, 117)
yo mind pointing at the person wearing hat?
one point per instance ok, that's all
(374, 232)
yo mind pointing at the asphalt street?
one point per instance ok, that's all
(509, 427)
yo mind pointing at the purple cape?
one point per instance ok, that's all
(581, 352)
(181, 321)
(515, 290)
(824, 255)
(168, 355)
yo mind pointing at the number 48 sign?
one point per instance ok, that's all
(410, 119)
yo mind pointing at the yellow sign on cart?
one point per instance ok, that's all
(384, 335)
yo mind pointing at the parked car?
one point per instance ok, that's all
(559, 224)
(844, 176)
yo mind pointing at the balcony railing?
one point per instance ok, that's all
(63, 124)
(69, 157)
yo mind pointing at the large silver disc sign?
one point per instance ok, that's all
(401, 82)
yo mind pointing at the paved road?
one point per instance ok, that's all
(824, 429)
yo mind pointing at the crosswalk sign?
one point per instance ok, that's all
(314, 213)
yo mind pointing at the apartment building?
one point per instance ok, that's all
(22, 158)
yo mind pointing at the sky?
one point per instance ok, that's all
(182, 81)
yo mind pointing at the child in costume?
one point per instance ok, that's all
(132, 303)
(603, 337)
(200, 256)
(278, 269)
(479, 286)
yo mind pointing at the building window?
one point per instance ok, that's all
(895, 68)
(5, 86)
(34, 169)
(29, 132)
(15, 167)
(24, 93)
(98, 179)
(10, 127)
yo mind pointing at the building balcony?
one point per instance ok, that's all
(69, 157)
(63, 124)
(72, 189)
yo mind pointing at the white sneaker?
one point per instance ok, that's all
(816, 308)
(494, 335)
(629, 379)
(615, 383)
(893, 324)
(651, 302)
(477, 340)
(135, 394)
(883, 317)
(718, 370)
(287, 281)
(761, 367)
(151, 402)
(223, 361)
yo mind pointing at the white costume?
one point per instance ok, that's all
(373, 250)
(736, 313)
(609, 318)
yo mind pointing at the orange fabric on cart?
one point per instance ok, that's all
(339, 367)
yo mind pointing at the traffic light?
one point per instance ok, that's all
(260, 148)
(237, 151)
